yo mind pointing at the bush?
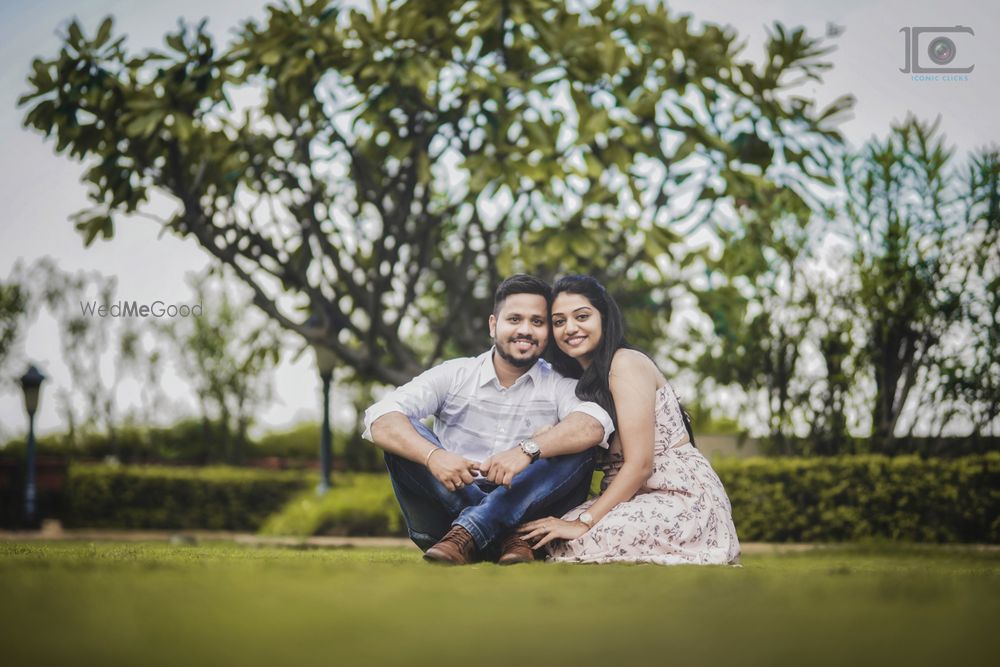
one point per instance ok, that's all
(302, 442)
(188, 441)
(774, 500)
(140, 497)
(358, 504)
(860, 497)
(195, 442)
(299, 441)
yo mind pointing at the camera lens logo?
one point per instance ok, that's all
(933, 50)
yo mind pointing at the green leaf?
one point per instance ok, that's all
(75, 35)
(145, 125)
(583, 246)
(183, 127)
(104, 32)
(41, 78)
(271, 58)
(176, 42)
(91, 226)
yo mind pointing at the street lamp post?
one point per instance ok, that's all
(325, 360)
(31, 383)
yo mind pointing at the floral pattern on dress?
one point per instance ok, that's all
(681, 515)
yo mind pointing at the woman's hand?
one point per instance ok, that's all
(543, 531)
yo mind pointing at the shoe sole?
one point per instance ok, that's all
(515, 560)
(432, 558)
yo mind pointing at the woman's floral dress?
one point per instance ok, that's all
(681, 515)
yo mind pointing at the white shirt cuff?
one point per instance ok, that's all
(377, 410)
(598, 413)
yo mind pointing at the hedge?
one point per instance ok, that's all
(194, 442)
(358, 504)
(861, 497)
(158, 497)
(774, 500)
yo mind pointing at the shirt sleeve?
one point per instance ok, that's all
(420, 397)
(569, 403)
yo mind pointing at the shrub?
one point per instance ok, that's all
(859, 497)
(193, 441)
(189, 440)
(358, 504)
(148, 497)
(774, 500)
(299, 441)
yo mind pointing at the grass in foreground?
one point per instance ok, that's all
(216, 604)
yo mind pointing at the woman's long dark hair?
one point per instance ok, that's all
(593, 384)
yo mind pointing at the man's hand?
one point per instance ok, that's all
(451, 469)
(500, 469)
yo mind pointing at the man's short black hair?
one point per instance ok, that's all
(521, 283)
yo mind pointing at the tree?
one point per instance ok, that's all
(907, 222)
(228, 359)
(760, 297)
(965, 369)
(13, 309)
(822, 344)
(13, 314)
(381, 169)
(84, 338)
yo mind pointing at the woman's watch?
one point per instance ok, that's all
(586, 519)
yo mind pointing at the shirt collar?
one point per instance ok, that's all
(488, 373)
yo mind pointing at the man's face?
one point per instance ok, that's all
(520, 330)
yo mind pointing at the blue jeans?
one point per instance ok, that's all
(546, 487)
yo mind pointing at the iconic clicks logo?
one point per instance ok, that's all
(931, 54)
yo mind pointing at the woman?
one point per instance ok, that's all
(660, 500)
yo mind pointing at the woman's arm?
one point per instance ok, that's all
(633, 382)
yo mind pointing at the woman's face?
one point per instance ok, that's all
(576, 326)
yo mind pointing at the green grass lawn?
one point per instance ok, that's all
(75, 604)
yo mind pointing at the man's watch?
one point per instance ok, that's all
(531, 448)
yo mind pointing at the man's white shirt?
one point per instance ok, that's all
(475, 416)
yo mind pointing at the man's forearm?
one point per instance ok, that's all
(394, 433)
(578, 432)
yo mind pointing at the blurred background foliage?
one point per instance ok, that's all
(367, 175)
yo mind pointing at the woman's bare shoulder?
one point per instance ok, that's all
(635, 365)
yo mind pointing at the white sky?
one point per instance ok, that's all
(40, 190)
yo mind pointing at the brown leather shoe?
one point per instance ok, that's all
(456, 548)
(515, 550)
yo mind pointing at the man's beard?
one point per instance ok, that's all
(515, 361)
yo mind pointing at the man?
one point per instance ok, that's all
(511, 440)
